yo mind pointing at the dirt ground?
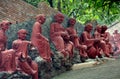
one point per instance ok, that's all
(108, 70)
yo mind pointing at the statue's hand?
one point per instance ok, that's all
(84, 47)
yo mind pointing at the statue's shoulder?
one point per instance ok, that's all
(8, 51)
(54, 23)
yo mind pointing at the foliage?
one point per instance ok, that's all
(104, 11)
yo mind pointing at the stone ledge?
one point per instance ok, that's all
(91, 63)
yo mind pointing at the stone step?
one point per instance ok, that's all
(92, 63)
(84, 65)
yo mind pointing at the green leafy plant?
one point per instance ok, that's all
(104, 11)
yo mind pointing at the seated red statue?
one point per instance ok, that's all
(116, 43)
(68, 47)
(21, 47)
(98, 44)
(106, 46)
(40, 41)
(7, 60)
(116, 38)
(88, 40)
(75, 39)
(57, 32)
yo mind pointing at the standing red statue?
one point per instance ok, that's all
(40, 41)
(23, 61)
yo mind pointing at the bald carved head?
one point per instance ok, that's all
(88, 27)
(71, 21)
(22, 34)
(98, 28)
(115, 32)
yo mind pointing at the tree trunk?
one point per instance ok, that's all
(59, 5)
(51, 3)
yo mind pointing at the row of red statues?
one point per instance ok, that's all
(64, 39)
(16, 58)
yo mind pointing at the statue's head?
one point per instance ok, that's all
(71, 21)
(115, 32)
(98, 28)
(22, 34)
(59, 17)
(5, 25)
(88, 27)
(40, 18)
(103, 28)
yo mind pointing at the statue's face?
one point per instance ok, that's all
(22, 33)
(42, 19)
(59, 18)
(5, 25)
(99, 29)
(22, 36)
(116, 31)
(72, 21)
(89, 28)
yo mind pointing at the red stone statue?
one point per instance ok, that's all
(7, 61)
(116, 38)
(88, 40)
(57, 32)
(40, 41)
(7, 57)
(116, 35)
(75, 39)
(68, 47)
(20, 46)
(106, 46)
(72, 32)
(4, 25)
(98, 44)
(115, 41)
